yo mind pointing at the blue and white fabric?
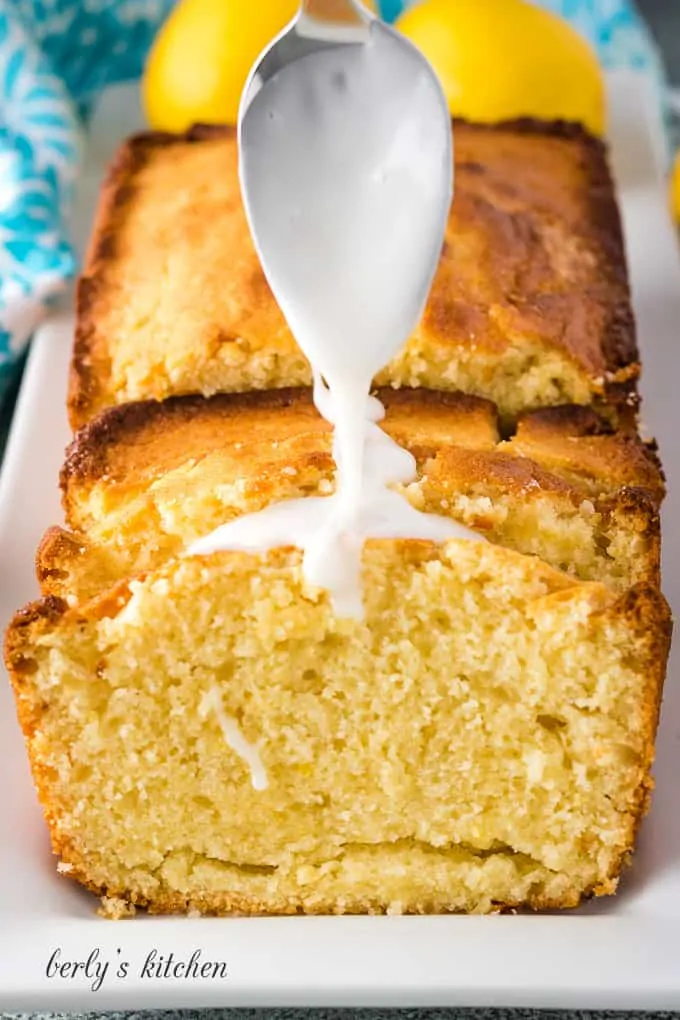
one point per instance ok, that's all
(56, 56)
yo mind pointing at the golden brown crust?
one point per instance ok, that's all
(133, 465)
(579, 442)
(72, 568)
(90, 364)
(121, 438)
(142, 480)
(532, 275)
(565, 449)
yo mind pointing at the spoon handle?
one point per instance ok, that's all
(336, 12)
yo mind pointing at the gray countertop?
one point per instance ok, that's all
(340, 1014)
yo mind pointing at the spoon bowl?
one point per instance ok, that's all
(348, 101)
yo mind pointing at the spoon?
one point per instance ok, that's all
(318, 23)
(340, 120)
(345, 160)
(345, 164)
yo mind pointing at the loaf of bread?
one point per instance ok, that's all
(530, 306)
(205, 733)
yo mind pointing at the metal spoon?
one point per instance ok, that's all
(338, 72)
(317, 25)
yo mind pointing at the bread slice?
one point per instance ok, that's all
(530, 306)
(143, 481)
(206, 735)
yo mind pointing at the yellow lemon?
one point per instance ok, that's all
(675, 189)
(201, 57)
(200, 60)
(498, 59)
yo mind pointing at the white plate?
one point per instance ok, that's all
(614, 953)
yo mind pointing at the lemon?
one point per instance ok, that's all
(674, 189)
(498, 59)
(201, 57)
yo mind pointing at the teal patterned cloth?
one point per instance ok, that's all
(56, 56)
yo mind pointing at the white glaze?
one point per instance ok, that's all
(330, 534)
(233, 736)
(346, 172)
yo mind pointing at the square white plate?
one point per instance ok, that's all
(614, 953)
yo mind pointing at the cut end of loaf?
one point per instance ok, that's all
(481, 741)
